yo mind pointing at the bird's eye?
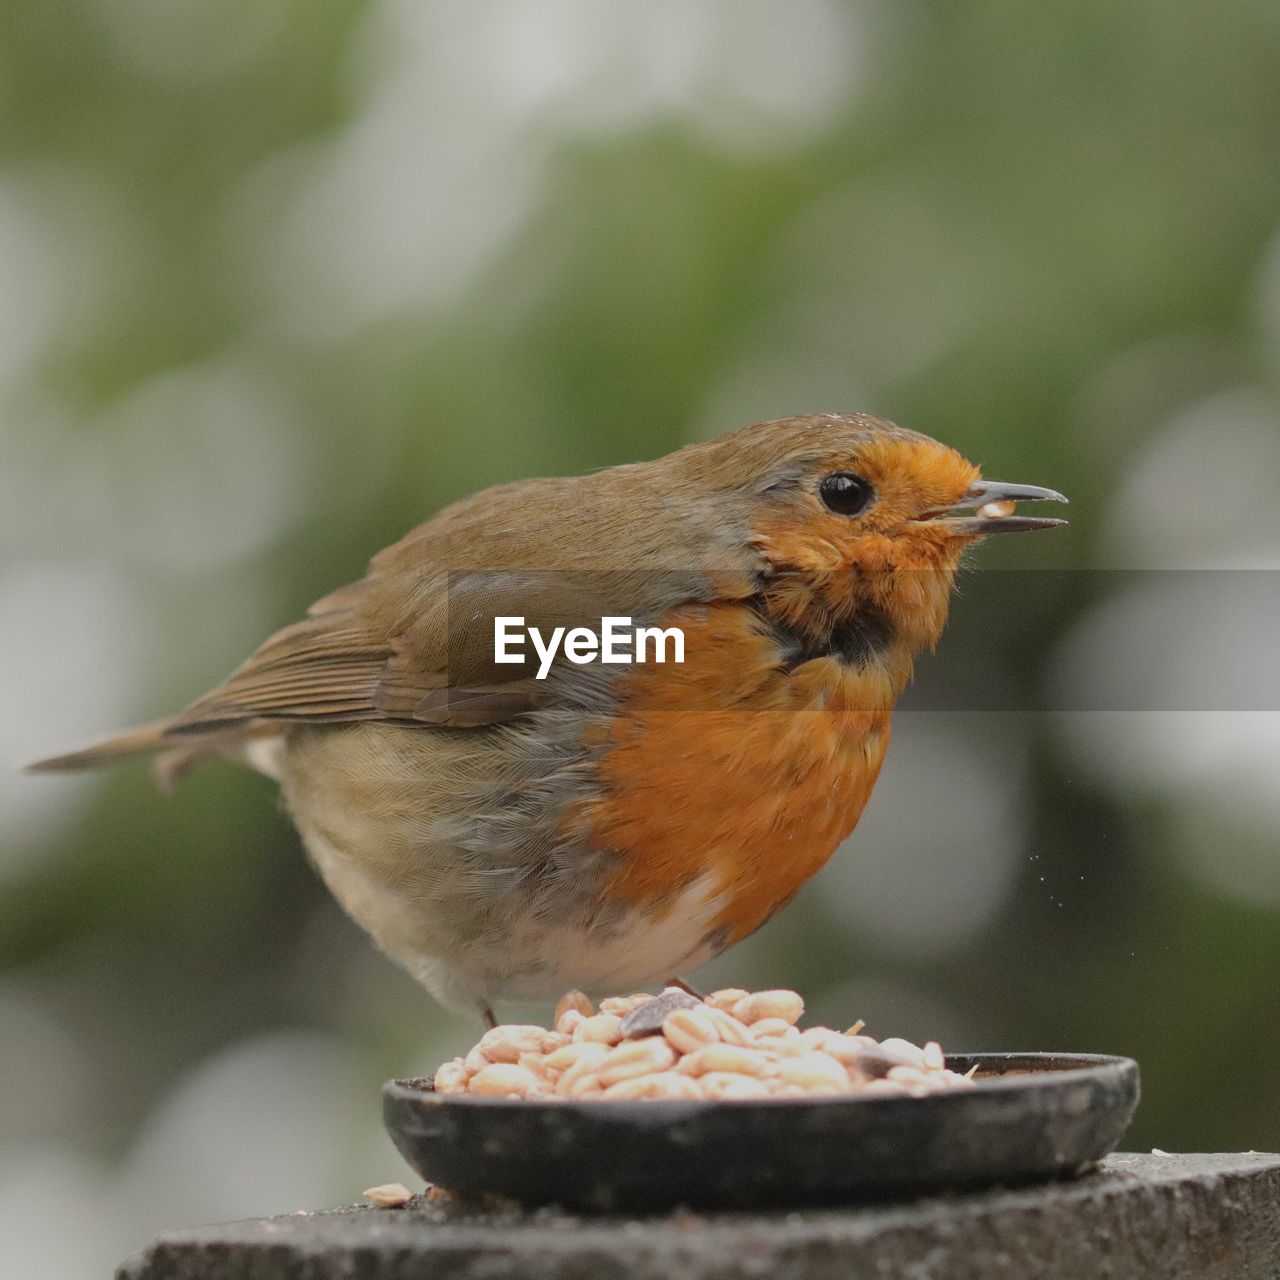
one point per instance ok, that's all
(846, 494)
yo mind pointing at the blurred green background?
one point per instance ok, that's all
(278, 279)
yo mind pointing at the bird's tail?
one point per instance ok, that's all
(146, 739)
(258, 747)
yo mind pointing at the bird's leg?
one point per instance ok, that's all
(487, 1015)
(686, 987)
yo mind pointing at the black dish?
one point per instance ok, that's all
(1030, 1117)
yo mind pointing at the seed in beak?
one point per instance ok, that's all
(998, 510)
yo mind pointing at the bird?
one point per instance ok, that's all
(509, 828)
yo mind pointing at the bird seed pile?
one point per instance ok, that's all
(732, 1044)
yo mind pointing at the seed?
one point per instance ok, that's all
(815, 1073)
(654, 1084)
(794, 1046)
(504, 1078)
(729, 1029)
(451, 1077)
(816, 1037)
(724, 1057)
(647, 1019)
(569, 1021)
(874, 1064)
(845, 1049)
(508, 1042)
(733, 1044)
(620, 1006)
(778, 1028)
(908, 1075)
(636, 1058)
(567, 1055)
(575, 1000)
(998, 510)
(907, 1053)
(603, 1028)
(537, 1063)
(391, 1195)
(726, 998)
(731, 1084)
(590, 1056)
(769, 1004)
(774, 1048)
(689, 1029)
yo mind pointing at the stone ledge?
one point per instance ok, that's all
(1139, 1217)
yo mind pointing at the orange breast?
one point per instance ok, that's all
(730, 768)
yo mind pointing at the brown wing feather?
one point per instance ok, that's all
(334, 667)
(322, 668)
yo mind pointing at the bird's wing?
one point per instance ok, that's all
(413, 641)
(342, 663)
(323, 669)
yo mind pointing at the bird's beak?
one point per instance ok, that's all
(993, 504)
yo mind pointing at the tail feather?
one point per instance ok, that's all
(257, 745)
(143, 740)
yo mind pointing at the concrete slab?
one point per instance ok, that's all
(1139, 1217)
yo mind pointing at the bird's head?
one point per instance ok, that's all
(853, 513)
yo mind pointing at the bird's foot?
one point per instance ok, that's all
(686, 987)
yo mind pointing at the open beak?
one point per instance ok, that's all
(993, 502)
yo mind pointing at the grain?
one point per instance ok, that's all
(576, 1001)
(786, 1005)
(390, 1195)
(507, 1043)
(729, 1084)
(654, 1084)
(689, 1029)
(501, 1079)
(998, 510)
(814, 1073)
(727, 997)
(451, 1077)
(734, 1045)
(603, 1028)
(725, 1057)
(636, 1058)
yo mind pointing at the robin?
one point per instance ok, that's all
(509, 819)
